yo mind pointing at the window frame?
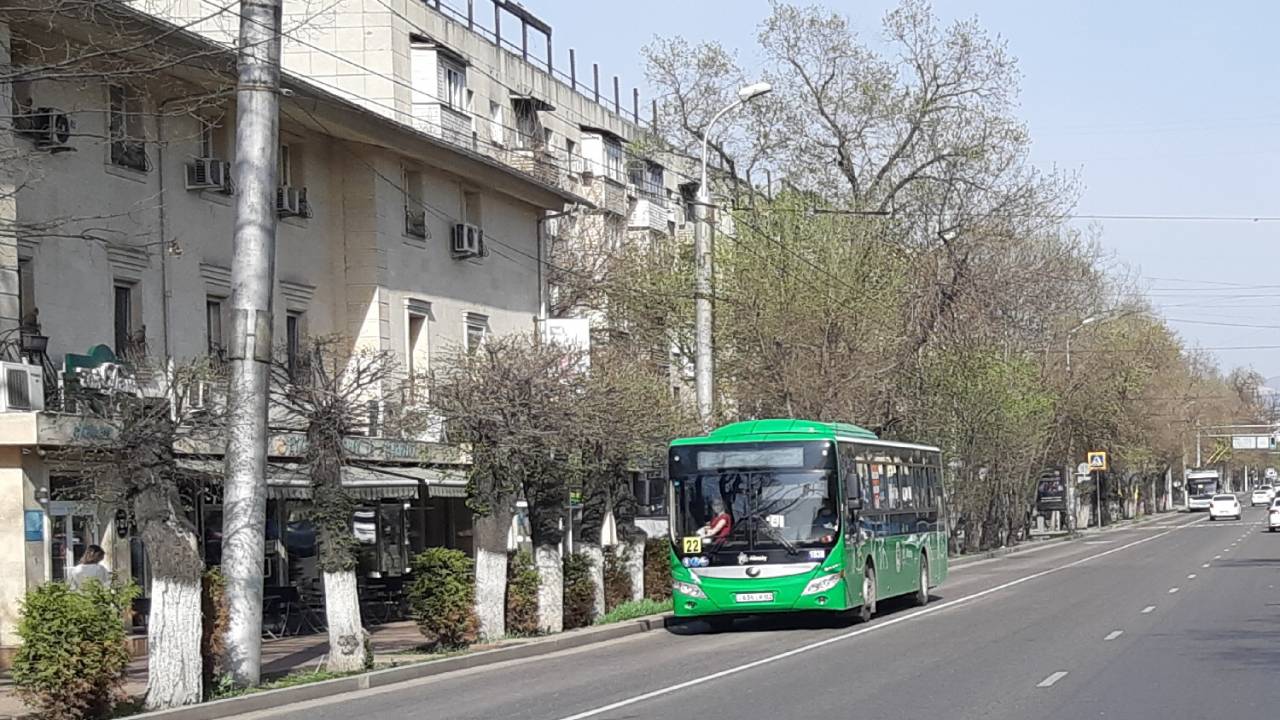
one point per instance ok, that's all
(215, 307)
(123, 325)
(474, 321)
(126, 134)
(455, 85)
(293, 334)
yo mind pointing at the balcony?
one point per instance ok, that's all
(539, 163)
(649, 213)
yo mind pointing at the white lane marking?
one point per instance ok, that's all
(1148, 609)
(1217, 557)
(1205, 565)
(1173, 590)
(1192, 576)
(1049, 681)
(1113, 634)
(929, 610)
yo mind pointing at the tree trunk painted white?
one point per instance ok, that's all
(550, 588)
(491, 593)
(595, 554)
(635, 566)
(348, 641)
(173, 644)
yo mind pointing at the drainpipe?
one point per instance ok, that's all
(164, 244)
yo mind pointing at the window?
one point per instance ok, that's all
(613, 159)
(123, 322)
(26, 293)
(455, 80)
(213, 327)
(471, 207)
(571, 156)
(477, 328)
(497, 133)
(417, 356)
(211, 135)
(415, 213)
(293, 342)
(124, 124)
(286, 166)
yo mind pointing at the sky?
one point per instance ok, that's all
(1164, 109)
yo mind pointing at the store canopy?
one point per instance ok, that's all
(367, 482)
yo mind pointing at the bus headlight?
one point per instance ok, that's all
(822, 584)
(689, 589)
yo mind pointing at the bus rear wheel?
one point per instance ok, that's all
(868, 609)
(922, 594)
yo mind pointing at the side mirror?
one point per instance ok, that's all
(854, 504)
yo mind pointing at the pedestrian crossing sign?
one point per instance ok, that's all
(1097, 461)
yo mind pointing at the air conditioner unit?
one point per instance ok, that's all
(49, 128)
(632, 193)
(292, 202)
(23, 387)
(468, 241)
(415, 223)
(209, 174)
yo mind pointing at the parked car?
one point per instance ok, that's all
(1262, 495)
(1273, 517)
(1224, 506)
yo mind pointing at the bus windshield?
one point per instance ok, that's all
(738, 509)
(1202, 487)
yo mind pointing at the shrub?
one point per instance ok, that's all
(213, 627)
(657, 569)
(579, 592)
(522, 594)
(634, 609)
(442, 596)
(617, 577)
(74, 653)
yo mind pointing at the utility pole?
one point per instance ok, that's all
(252, 283)
(703, 227)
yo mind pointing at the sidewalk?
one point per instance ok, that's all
(391, 642)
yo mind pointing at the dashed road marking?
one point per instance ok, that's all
(1049, 681)
(1113, 634)
(1205, 565)
(1148, 609)
(1192, 576)
(1173, 590)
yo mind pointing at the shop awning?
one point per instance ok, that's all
(289, 480)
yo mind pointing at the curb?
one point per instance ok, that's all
(269, 699)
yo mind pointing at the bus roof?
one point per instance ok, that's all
(778, 430)
(1201, 474)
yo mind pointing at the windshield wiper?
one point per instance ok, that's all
(772, 532)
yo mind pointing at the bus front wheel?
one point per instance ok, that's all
(868, 609)
(922, 594)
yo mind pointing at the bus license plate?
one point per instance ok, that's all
(753, 597)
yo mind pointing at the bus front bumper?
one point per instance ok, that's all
(766, 595)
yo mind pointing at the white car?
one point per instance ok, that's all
(1224, 506)
(1273, 516)
(1262, 496)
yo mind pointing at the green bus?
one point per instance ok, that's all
(771, 516)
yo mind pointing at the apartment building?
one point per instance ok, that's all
(116, 225)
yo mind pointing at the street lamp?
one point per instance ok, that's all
(1087, 321)
(702, 235)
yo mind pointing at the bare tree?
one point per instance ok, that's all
(137, 470)
(329, 396)
(512, 403)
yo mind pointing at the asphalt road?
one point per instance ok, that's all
(1176, 618)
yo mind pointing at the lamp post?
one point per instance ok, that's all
(702, 240)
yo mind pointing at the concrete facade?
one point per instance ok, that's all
(93, 240)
